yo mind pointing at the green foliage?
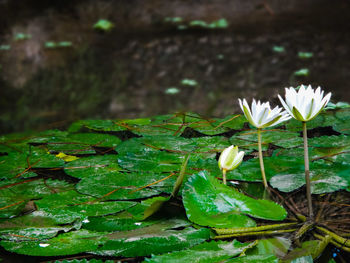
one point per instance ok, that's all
(181, 25)
(61, 44)
(210, 203)
(5, 47)
(172, 91)
(22, 36)
(302, 72)
(305, 55)
(189, 82)
(203, 253)
(278, 49)
(104, 25)
(104, 186)
(65, 244)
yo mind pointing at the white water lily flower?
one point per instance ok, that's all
(230, 158)
(305, 104)
(261, 115)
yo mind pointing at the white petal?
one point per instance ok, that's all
(285, 105)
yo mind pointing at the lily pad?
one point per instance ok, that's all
(154, 239)
(266, 258)
(71, 243)
(210, 203)
(324, 179)
(250, 170)
(203, 253)
(122, 186)
(92, 166)
(20, 164)
(71, 201)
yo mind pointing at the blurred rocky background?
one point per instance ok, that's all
(63, 60)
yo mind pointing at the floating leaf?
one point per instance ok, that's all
(22, 36)
(266, 258)
(341, 141)
(250, 170)
(302, 72)
(155, 161)
(123, 221)
(92, 166)
(173, 19)
(280, 138)
(277, 246)
(67, 158)
(210, 203)
(172, 91)
(20, 164)
(278, 49)
(15, 193)
(203, 253)
(199, 23)
(306, 250)
(71, 201)
(324, 179)
(154, 239)
(5, 47)
(189, 82)
(104, 25)
(71, 243)
(123, 186)
(305, 259)
(305, 54)
(221, 23)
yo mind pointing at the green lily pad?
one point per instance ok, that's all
(277, 246)
(16, 164)
(92, 166)
(15, 193)
(210, 203)
(148, 143)
(96, 125)
(30, 233)
(307, 249)
(104, 25)
(280, 138)
(254, 259)
(155, 161)
(203, 253)
(72, 201)
(250, 170)
(84, 261)
(324, 119)
(122, 186)
(71, 243)
(324, 179)
(154, 239)
(123, 221)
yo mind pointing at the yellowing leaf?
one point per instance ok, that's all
(66, 158)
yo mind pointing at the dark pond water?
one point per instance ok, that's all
(131, 72)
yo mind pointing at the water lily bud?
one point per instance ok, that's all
(230, 158)
(306, 103)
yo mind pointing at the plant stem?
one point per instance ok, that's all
(341, 246)
(181, 177)
(257, 233)
(307, 173)
(225, 231)
(337, 238)
(261, 159)
(224, 175)
(304, 228)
